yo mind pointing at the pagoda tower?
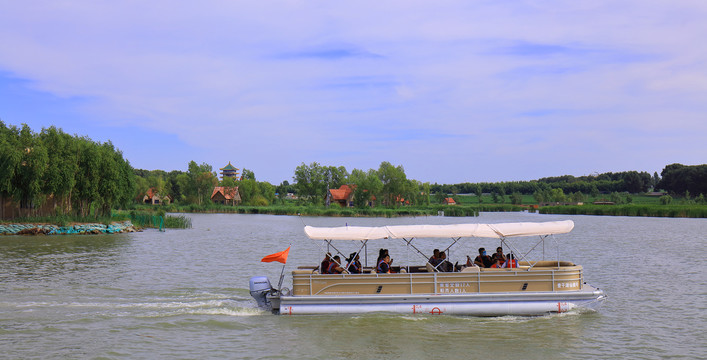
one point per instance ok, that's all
(229, 171)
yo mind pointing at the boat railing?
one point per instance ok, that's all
(567, 278)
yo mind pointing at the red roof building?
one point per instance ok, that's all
(342, 196)
(153, 198)
(449, 201)
(226, 195)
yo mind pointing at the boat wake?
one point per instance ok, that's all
(166, 305)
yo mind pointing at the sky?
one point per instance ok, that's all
(454, 91)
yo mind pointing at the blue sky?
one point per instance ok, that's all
(454, 91)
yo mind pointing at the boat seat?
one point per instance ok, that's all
(303, 271)
(470, 269)
(430, 268)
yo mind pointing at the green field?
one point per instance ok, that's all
(530, 200)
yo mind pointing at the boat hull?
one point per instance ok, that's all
(480, 304)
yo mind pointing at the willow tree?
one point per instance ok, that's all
(10, 158)
(88, 176)
(28, 176)
(60, 175)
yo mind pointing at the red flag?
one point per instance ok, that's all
(278, 256)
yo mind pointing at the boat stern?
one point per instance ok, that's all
(260, 288)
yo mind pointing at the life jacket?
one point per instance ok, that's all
(324, 267)
(354, 268)
(510, 264)
(332, 268)
(379, 268)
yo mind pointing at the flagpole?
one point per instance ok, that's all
(282, 274)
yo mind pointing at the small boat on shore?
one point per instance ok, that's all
(532, 287)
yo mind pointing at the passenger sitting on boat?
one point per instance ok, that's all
(354, 266)
(335, 266)
(482, 260)
(444, 265)
(434, 259)
(510, 262)
(384, 265)
(498, 258)
(324, 266)
(381, 254)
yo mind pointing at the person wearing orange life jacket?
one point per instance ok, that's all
(510, 262)
(335, 266)
(384, 265)
(354, 266)
(324, 266)
(498, 258)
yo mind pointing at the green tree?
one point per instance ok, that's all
(248, 174)
(267, 191)
(633, 182)
(228, 182)
(88, 176)
(202, 180)
(426, 194)
(187, 195)
(594, 192)
(29, 175)
(310, 182)
(394, 182)
(109, 186)
(577, 197)
(557, 195)
(539, 196)
(282, 191)
(10, 158)
(516, 198)
(367, 186)
(616, 198)
(502, 193)
(249, 191)
(60, 175)
(655, 181)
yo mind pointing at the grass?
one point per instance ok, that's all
(687, 211)
(335, 210)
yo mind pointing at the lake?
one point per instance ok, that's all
(184, 294)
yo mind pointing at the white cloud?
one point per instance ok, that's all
(354, 84)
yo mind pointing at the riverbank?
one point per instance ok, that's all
(337, 211)
(675, 211)
(76, 229)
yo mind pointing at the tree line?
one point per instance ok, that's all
(74, 175)
(196, 185)
(388, 185)
(684, 180)
(628, 181)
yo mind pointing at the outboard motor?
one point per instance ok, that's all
(259, 289)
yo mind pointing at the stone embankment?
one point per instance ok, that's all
(79, 229)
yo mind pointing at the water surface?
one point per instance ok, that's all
(184, 294)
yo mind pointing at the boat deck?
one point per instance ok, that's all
(542, 276)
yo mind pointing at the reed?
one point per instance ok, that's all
(686, 211)
(154, 219)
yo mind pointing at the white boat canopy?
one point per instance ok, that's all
(502, 230)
